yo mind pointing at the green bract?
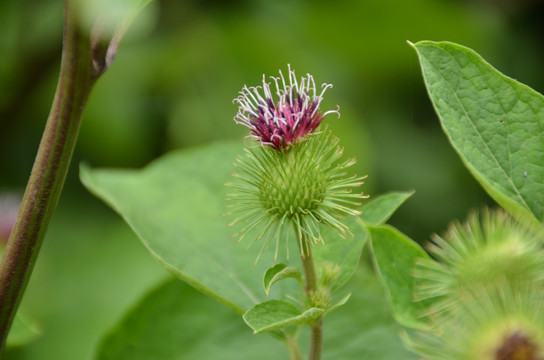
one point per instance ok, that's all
(301, 187)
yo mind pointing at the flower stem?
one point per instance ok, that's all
(311, 288)
(76, 79)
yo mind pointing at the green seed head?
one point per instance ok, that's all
(295, 185)
(299, 188)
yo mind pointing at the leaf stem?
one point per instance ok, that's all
(293, 348)
(76, 79)
(311, 289)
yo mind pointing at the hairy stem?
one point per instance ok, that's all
(311, 288)
(76, 79)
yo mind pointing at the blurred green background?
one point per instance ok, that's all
(171, 86)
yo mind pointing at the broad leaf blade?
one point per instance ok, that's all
(378, 210)
(395, 257)
(278, 314)
(495, 123)
(175, 206)
(176, 322)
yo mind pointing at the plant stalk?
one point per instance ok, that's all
(310, 274)
(76, 79)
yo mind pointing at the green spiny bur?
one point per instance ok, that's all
(302, 186)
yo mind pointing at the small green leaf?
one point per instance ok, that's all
(494, 123)
(279, 272)
(277, 314)
(378, 210)
(338, 304)
(395, 257)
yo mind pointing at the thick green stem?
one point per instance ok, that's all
(311, 289)
(77, 77)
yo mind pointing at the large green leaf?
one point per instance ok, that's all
(175, 205)
(395, 257)
(176, 322)
(495, 123)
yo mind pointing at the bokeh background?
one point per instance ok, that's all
(171, 86)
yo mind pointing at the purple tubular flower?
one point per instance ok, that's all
(282, 123)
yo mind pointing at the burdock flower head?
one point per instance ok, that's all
(281, 123)
(290, 179)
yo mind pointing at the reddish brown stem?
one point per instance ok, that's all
(77, 77)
